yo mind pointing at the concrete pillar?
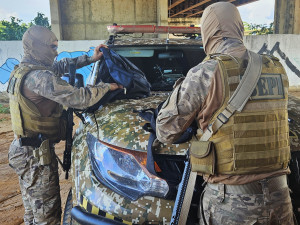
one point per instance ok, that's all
(55, 18)
(297, 17)
(162, 12)
(287, 17)
(87, 19)
(162, 15)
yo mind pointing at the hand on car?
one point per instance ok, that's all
(97, 53)
(115, 86)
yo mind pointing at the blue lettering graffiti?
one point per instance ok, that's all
(10, 63)
(85, 71)
(6, 69)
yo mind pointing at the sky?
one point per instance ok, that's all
(25, 10)
(260, 12)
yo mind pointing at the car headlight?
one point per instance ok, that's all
(122, 172)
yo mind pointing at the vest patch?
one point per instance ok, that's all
(269, 86)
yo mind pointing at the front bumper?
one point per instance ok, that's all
(83, 217)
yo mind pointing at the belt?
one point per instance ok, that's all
(273, 184)
(30, 141)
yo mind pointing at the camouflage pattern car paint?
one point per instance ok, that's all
(119, 126)
(122, 127)
(156, 41)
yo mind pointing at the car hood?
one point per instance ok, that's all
(119, 125)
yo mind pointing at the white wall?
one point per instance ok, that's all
(71, 46)
(285, 47)
(12, 52)
(14, 49)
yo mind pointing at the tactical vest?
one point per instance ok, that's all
(25, 116)
(255, 140)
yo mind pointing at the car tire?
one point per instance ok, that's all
(67, 219)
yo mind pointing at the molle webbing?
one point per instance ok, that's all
(254, 140)
(26, 118)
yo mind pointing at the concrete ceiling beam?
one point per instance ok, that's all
(191, 7)
(175, 4)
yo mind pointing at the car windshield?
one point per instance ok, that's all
(163, 64)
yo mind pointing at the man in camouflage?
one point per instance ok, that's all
(44, 94)
(230, 197)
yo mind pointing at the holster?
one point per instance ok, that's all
(43, 153)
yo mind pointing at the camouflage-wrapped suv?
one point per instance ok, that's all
(109, 178)
(110, 183)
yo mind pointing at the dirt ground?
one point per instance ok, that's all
(11, 207)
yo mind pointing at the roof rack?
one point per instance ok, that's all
(130, 29)
(191, 32)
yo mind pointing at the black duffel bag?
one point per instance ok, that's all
(115, 68)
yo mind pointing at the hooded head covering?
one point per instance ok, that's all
(220, 20)
(38, 45)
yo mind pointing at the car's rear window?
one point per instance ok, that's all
(163, 64)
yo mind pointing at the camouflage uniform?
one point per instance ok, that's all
(294, 177)
(175, 117)
(198, 97)
(40, 183)
(239, 209)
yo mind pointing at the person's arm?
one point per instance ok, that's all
(183, 105)
(62, 66)
(46, 84)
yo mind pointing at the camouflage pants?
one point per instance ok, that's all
(246, 209)
(39, 185)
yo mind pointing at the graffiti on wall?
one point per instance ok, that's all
(6, 69)
(10, 63)
(85, 71)
(283, 56)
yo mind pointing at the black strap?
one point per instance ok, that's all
(187, 134)
(150, 160)
(149, 115)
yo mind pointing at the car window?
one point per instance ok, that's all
(163, 64)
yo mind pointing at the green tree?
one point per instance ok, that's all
(14, 29)
(258, 29)
(41, 20)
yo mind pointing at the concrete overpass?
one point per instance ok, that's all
(195, 8)
(87, 19)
